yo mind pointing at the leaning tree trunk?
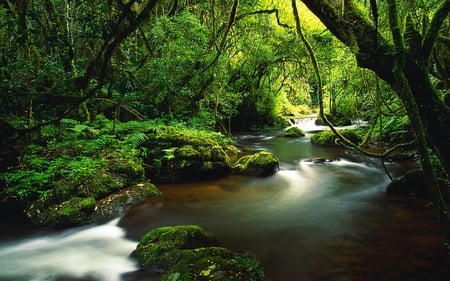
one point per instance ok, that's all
(405, 67)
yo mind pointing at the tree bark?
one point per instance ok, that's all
(405, 69)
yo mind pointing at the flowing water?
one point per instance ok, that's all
(313, 220)
(87, 253)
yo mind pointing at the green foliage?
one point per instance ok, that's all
(74, 160)
(395, 129)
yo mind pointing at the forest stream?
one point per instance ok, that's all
(310, 221)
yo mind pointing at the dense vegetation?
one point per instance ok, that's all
(97, 96)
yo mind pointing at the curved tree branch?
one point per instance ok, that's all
(126, 25)
(271, 11)
(315, 64)
(432, 32)
(220, 47)
(355, 29)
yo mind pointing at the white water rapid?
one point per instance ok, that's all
(89, 253)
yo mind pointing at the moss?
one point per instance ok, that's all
(69, 213)
(293, 132)
(192, 163)
(127, 164)
(218, 154)
(180, 154)
(113, 205)
(154, 246)
(187, 252)
(102, 185)
(188, 152)
(215, 263)
(328, 138)
(263, 163)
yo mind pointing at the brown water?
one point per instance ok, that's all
(327, 222)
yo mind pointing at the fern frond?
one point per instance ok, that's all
(136, 139)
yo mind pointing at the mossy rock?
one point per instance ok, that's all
(72, 212)
(102, 185)
(411, 184)
(262, 163)
(328, 138)
(187, 252)
(114, 204)
(132, 169)
(192, 163)
(293, 132)
(187, 152)
(214, 264)
(175, 154)
(155, 247)
(129, 166)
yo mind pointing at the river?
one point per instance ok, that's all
(310, 221)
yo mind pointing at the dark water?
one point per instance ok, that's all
(327, 221)
(323, 221)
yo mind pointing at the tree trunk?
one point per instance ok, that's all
(405, 69)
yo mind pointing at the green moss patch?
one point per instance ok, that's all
(263, 163)
(176, 154)
(187, 252)
(328, 138)
(69, 213)
(293, 132)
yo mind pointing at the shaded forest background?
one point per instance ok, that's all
(192, 61)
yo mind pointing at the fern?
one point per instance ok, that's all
(136, 139)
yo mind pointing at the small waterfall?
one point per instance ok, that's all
(307, 124)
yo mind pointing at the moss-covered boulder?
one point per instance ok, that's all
(114, 204)
(328, 138)
(262, 163)
(293, 132)
(155, 247)
(176, 154)
(72, 212)
(188, 253)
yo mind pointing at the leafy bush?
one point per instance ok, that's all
(396, 129)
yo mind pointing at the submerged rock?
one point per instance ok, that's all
(411, 184)
(263, 163)
(320, 160)
(187, 252)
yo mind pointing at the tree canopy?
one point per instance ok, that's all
(226, 65)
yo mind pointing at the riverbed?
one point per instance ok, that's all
(327, 221)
